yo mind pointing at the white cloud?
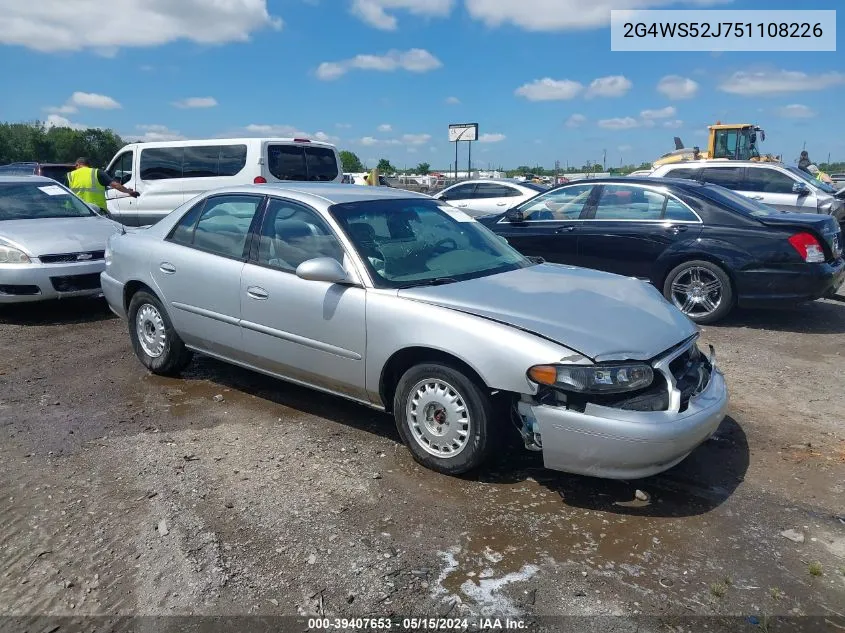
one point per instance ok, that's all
(285, 131)
(491, 138)
(452, 101)
(385, 127)
(416, 139)
(56, 25)
(369, 141)
(154, 133)
(561, 15)
(548, 89)
(673, 124)
(664, 113)
(415, 60)
(612, 86)
(576, 120)
(796, 111)
(54, 120)
(677, 87)
(624, 123)
(196, 102)
(85, 100)
(778, 82)
(65, 109)
(375, 12)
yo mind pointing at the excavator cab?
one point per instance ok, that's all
(734, 142)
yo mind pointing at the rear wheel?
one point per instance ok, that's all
(701, 290)
(156, 343)
(444, 418)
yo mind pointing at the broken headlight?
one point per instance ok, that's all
(594, 378)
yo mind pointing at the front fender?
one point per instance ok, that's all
(498, 353)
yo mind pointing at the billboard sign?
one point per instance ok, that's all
(463, 132)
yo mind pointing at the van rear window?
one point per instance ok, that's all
(295, 162)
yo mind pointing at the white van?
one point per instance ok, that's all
(169, 173)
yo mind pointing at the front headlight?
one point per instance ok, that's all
(594, 378)
(10, 255)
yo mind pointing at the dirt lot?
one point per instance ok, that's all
(124, 493)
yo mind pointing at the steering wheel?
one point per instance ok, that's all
(446, 240)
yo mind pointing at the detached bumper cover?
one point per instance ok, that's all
(618, 444)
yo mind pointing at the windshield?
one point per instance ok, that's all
(737, 202)
(406, 243)
(809, 178)
(37, 200)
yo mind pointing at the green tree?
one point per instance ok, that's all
(351, 162)
(36, 142)
(423, 169)
(385, 167)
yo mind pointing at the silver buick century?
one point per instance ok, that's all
(403, 303)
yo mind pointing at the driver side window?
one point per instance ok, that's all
(291, 234)
(559, 205)
(121, 168)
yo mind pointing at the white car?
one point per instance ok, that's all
(486, 197)
(168, 173)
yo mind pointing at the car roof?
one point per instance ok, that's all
(649, 181)
(228, 141)
(327, 192)
(26, 178)
(717, 162)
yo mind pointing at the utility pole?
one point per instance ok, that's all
(604, 160)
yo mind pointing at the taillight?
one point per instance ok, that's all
(259, 180)
(808, 247)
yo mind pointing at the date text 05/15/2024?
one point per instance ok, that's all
(417, 624)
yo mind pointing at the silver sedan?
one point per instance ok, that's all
(52, 244)
(405, 304)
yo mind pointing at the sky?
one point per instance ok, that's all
(385, 78)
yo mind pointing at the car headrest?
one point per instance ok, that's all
(362, 232)
(291, 229)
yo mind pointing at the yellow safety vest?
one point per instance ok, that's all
(83, 182)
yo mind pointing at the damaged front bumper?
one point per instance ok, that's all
(618, 443)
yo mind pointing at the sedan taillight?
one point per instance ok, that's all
(808, 247)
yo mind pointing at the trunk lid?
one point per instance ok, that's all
(822, 225)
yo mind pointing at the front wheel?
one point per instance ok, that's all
(444, 418)
(156, 343)
(701, 290)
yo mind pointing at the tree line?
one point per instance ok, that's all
(25, 142)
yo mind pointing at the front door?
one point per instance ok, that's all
(309, 331)
(551, 224)
(492, 197)
(120, 206)
(775, 188)
(630, 227)
(198, 272)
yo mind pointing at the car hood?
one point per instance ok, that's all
(600, 315)
(54, 236)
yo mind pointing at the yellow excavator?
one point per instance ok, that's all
(732, 141)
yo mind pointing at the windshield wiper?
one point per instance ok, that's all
(437, 281)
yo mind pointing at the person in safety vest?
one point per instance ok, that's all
(819, 174)
(90, 184)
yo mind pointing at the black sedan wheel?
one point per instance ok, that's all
(700, 290)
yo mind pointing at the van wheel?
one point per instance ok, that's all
(156, 343)
(701, 290)
(444, 418)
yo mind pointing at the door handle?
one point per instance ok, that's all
(501, 204)
(257, 293)
(462, 206)
(756, 197)
(675, 229)
(167, 268)
(565, 229)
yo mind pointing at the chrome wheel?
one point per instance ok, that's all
(151, 332)
(697, 292)
(438, 418)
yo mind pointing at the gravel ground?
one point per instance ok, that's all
(228, 493)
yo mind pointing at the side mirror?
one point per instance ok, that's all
(442, 196)
(514, 216)
(96, 209)
(322, 269)
(502, 238)
(800, 188)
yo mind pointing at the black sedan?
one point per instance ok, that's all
(706, 248)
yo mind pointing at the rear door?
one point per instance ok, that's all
(551, 226)
(630, 226)
(460, 196)
(774, 188)
(493, 197)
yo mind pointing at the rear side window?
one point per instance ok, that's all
(494, 190)
(211, 161)
(683, 173)
(727, 177)
(461, 192)
(161, 163)
(295, 162)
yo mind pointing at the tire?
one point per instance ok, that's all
(173, 356)
(698, 276)
(427, 389)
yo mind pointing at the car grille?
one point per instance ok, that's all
(73, 283)
(18, 290)
(85, 256)
(691, 371)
